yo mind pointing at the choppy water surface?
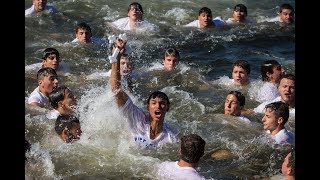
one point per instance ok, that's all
(104, 150)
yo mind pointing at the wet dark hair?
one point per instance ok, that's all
(65, 121)
(137, 6)
(160, 95)
(267, 67)
(242, 63)
(205, 10)
(242, 8)
(286, 6)
(57, 95)
(45, 72)
(280, 109)
(48, 51)
(171, 52)
(85, 26)
(240, 97)
(289, 76)
(192, 148)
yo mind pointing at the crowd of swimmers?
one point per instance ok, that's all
(277, 95)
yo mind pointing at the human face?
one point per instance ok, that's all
(269, 120)
(69, 101)
(48, 83)
(170, 62)
(240, 76)
(287, 90)
(39, 5)
(205, 20)
(158, 108)
(278, 71)
(238, 15)
(125, 66)
(286, 15)
(83, 35)
(232, 106)
(51, 61)
(285, 163)
(135, 14)
(75, 132)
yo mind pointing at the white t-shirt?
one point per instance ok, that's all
(31, 11)
(231, 21)
(93, 40)
(63, 67)
(172, 171)
(53, 114)
(37, 96)
(244, 119)
(124, 24)
(260, 108)
(267, 92)
(217, 21)
(140, 127)
(284, 136)
(274, 19)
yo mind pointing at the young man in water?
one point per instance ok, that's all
(285, 14)
(134, 20)
(191, 150)
(39, 6)
(84, 35)
(47, 81)
(68, 128)
(149, 130)
(287, 94)
(63, 102)
(205, 20)
(233, 105)
(275, 117)
(170, 59)
(239, 15)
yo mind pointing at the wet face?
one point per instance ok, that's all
(238, 15)
(240, 76)
(269, 120)
(83, 35)
(48, 83)
(285, 168)
(158, 108)
(135, 13)
(278, 71)
(287, 90)
(232, 106)
(69, 101)
(170, 62)
(205, 20)
(125, 66)
(287, 15)
(51, 61)
(75, 132)
(39, 5)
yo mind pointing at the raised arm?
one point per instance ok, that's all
(121, 96)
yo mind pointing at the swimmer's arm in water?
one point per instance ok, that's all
(121, 96)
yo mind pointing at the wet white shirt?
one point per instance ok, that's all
(172, 171)
(53, 114)
(31, 11)
(260, 108)
(37, 96)
(140, 127)
(93, 40)
(284, 136)
(217, 21)
(267, 92)
(124, 24)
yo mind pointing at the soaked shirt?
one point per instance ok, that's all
(140, 128)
